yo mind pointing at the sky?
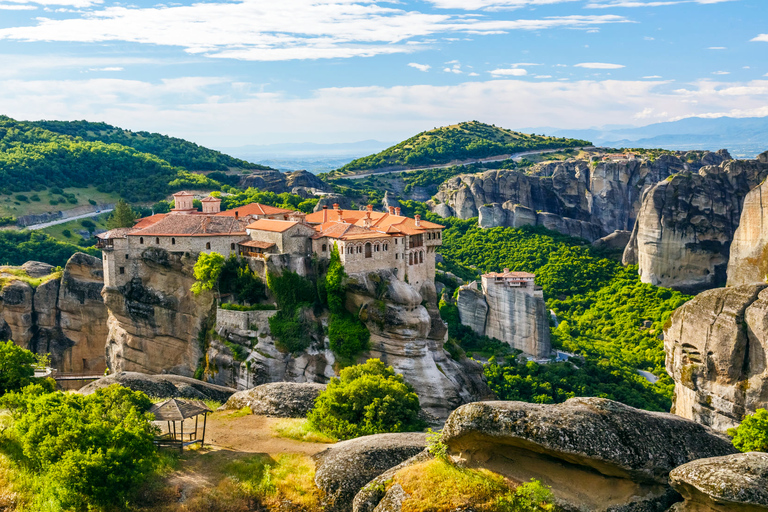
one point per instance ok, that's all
(237, 72)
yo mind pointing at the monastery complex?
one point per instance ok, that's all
(367, 240)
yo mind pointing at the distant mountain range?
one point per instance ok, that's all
(744, 137)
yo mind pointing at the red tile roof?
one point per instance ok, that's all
(255, 209)
(256, 244)
(194, 225)
(148, 221)
(275, 226)
(380, 221)
(519, 275)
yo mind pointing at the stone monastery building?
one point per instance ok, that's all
(367, 240)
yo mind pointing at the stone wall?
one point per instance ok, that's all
(243, 320)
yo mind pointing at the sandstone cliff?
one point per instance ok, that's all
(717, 352)
(278, 182)
(686, 224)
(64, 317)
(748, 261)
(575, 197)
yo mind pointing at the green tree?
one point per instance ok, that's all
(207, 270)
(752, 434)
(347, 335)
(122, 217)
(16, 367)
(366, 399)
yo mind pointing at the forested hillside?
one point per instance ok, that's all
(175, 151)
(463, 141)
(33, 158)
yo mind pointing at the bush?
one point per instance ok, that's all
(88, 224)
(255, 307)
(348, 335)
(92, 450)
(238, 279)
(22, 197)
(752, 434)
(293, 294)
(67, 233)
(207, 270)
(366, 399)
(17, 367)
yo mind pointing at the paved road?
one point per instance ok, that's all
(516, 157)
(68, 219)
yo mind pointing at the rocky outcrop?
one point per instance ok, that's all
(748, 261)
(720, 484)
(343, 469)
(279, 182)
(281, 399)
(374, 497)
(717, 352)
(162, 386)
(63, 316)
(616, 241)
(513, 316)
(575, 197)
(156, 324)
(328, 200)
(686, 224)
(594, 453)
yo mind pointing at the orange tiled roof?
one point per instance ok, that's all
(182, 193)
(520, 275)
(148, 221)
(255, 209)
(345, 231)
(193, 225)
(114, 233)
(256, 244)
(275, 226)
(380, 221)
(211, 199)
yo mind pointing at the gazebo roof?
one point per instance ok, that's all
(178, 410)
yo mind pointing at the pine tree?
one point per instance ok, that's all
(122, 217)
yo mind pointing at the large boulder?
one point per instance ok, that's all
(162, 386)
(596, 454)
(716, 351)
(343, 469)
(283, 399)
(375, 498)
(731, 483)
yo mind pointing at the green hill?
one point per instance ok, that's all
(463, 141)
(34, 158)
(175, 151)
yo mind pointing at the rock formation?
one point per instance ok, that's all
(717, 351)
(162, 386)
(64, 317)
(575, 197)
(509, 315)
(279, 182)
(282, 399)
(723, 484)
(748, 261)
(343, 469)
(594, 453)
(686, 224)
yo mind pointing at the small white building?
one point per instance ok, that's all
(522, 281)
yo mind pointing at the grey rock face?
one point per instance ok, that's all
(748, 260)
(716, 351)
(473, 310)
(343, 469)
(278, 182)
(162, 386)
(369, 498)
(37, 268)
(282, 399)
(686, 224)
(733, 482)
(596, 454)
(492, 216)
(616, 241)
(330, 199)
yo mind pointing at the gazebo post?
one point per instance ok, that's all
(182, 432)
(169, 428)
(196, 418)
(205, 420)
(174, 429)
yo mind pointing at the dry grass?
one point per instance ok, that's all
(300, 430)
(16, 274)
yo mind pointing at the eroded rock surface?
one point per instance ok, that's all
(716, 351)
(683, 234)
(748, 261)
(719, 484)
(279, 182)
(343, 469)
(596, 454)
(162, 386)
(282, 399)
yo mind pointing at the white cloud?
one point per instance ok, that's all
(420, 67)
(762, 38)
(473, 74)
(598, 65)
(721, 72)
(543, 76)
(603, 4)
(652, 77)
(717, 48)
(31, 4)
(215, 112)
(509, 72)
(113, 68)
(6, 7)
(453, 70)
(473, 5)
(290, 29)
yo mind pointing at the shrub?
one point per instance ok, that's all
(17, 367)
(92, 202)
(293, 294)
(67, 233)
(255, 307)
(88, 224)
(34, 197)
(207, 270)
(237, 278)
(752, 434)
(22, 197)
(366, 399)
(348, 336)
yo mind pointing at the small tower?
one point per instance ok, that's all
(183, 202)
(211, 204)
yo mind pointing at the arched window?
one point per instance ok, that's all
(368, 250)
(397, 256)
(173, 241)
(208, 245)
(410, 259)
(324, 249)
(386, 247)
(421, 256)
(232, 246)
(141, 239)
(157, 240)
(376, 248)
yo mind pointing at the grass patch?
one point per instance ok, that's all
(300, 430)
(9, 207)
(439, 486)
(211, 404)
(17, 274)
(245, 411)
(261, 481)
(59, 231)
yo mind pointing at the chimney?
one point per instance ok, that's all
(325, 214)
(370, 209)
(391, 210)
(418, 219)
(237, 215)
(397, 211)
(335, 206)
(341, 215)
(367, 221)
(506, 271)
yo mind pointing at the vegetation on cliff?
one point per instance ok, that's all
(366, 399)
(238, 198)
(464, 141)
(18, 247)
(347, 335)
(752, 434)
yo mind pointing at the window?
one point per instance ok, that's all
(368, 250)
(157, 240)
(397, 256)
(395, 241)
(410, 259)
(122, 270)
(386, 247)
(173, 241)
(324, 249)
(208, 245)
(421, 256)
(232, 246)
(141, 239)
(126, 256)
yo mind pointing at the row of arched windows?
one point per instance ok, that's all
(415, 258)
(368, 249)
(207, 244)
(433, 236)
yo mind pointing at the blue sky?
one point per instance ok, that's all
(229, 73)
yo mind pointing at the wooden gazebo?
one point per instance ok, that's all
(175, 410)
